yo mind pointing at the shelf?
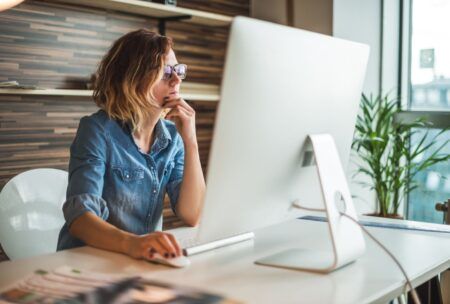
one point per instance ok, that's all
(199, 91)
(46, 92)
(189, 91)
(155, 10)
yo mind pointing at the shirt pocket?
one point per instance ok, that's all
(129, 175)
(128, 187)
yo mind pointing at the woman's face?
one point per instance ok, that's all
(167, 87)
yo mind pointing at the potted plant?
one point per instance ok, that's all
(383, 143)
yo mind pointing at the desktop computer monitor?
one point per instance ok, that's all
(280, 84)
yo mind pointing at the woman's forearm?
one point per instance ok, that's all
(96, 232)
(192, 190)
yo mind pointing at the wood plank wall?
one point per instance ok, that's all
(55, 45)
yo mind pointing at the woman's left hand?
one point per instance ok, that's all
(183, 115)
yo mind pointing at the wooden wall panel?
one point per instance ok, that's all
(55, 45)
(225, 7)
(36, 131)
(201, 48)
(59, 46)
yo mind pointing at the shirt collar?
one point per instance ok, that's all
(162, 137)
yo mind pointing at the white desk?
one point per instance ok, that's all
(231, 272)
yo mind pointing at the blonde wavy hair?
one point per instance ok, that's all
(127, 74)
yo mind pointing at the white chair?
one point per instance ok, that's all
(30, 212)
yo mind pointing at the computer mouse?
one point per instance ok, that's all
(177, 262)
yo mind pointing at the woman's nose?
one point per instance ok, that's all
(175, 79)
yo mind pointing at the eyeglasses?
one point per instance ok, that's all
(180, 69)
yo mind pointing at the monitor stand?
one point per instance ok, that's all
(346, 236)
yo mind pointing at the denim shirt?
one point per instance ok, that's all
(110, 177)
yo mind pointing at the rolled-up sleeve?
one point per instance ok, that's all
(176, 177)
(86, 172)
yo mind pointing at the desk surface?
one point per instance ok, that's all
(231, 272)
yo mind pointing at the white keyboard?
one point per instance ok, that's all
(188, 242)
(191, 246)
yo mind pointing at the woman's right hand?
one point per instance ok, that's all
(145, 246)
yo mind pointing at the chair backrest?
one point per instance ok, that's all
(30, 212)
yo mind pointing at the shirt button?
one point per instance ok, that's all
(154, 190)
(127, 176)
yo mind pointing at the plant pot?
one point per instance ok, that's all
(392, 216)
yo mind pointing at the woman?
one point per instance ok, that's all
(125, 157)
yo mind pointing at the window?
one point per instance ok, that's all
(426, 86)
(430, 54)
(433, 184)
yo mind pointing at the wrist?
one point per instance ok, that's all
(191, 144)
(125, 243)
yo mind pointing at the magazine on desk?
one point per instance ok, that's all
(66, 285)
